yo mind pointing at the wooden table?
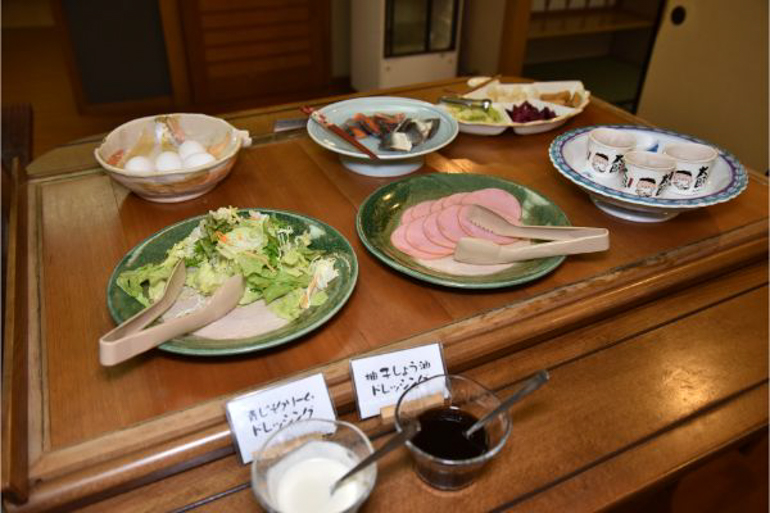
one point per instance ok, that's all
(658, 348)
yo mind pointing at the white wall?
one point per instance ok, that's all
(709, 76)
(480, 37)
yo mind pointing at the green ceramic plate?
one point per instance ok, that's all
(380, 213)
(153, 249)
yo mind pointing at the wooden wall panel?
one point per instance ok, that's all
(240, 49)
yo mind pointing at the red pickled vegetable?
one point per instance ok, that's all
(527, 112)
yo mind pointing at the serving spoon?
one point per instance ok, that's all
(529, 386)
(409, 432)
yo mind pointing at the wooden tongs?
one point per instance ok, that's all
(130, 338)
(568, 240)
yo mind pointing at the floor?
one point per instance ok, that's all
(34, 71)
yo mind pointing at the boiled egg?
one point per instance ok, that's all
(168, 161)
(190, 147)
(198, 159)
(139, 163)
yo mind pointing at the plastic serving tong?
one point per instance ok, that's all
(567, 240)
(130, 338)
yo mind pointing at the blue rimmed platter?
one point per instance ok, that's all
(568, 154)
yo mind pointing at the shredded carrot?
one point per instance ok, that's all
(221, 236)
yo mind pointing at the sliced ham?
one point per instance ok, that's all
(449, 223)
(453, 199)
(497, 200)
(422, 209)
(398, 239)
(436, 207)
(419, 210)
(406, 216)
(432, 231)
(415, 237)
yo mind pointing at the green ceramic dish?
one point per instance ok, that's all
(380, 213)
(153, 249)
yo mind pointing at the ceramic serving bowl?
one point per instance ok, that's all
(148, 135)
(389, 163)
(508, 95)
(569, 151)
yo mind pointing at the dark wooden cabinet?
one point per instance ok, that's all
(203, 55)
(241, 49)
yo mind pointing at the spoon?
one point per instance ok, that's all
(529, 386)
(409, 431)
(468, 102)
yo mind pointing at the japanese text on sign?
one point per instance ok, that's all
(380, 380)
(256, 416)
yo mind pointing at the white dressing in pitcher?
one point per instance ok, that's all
(302, 481)
(305, 487)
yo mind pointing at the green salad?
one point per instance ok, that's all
(278, 265)
(475, 114)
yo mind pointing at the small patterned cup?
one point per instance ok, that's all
(693, 165)
(606, 147)
(646, 174)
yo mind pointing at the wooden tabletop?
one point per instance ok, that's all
(658, 347)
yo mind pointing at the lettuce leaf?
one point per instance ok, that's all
(278, 265)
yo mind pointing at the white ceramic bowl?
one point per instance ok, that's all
(218, 136)
(508, 95)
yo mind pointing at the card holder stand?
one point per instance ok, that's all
(388, 413)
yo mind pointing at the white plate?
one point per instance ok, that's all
(568, 154)
(530, 90)
(391, 163)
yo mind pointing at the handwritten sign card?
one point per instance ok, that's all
(381, 379)
(254, 417)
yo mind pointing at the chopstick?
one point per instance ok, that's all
(321, 120)
(486, 82)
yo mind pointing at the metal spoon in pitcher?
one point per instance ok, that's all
(530, 386)
(409, 432)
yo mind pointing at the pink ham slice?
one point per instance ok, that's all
(419, 210)
(479, 232)
(449, 223)
(415, 237)
(497, 200)
(433, 233)
(452, 199)
(422, 209)
(398, 239)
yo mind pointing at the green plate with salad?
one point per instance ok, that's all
(298, 270)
